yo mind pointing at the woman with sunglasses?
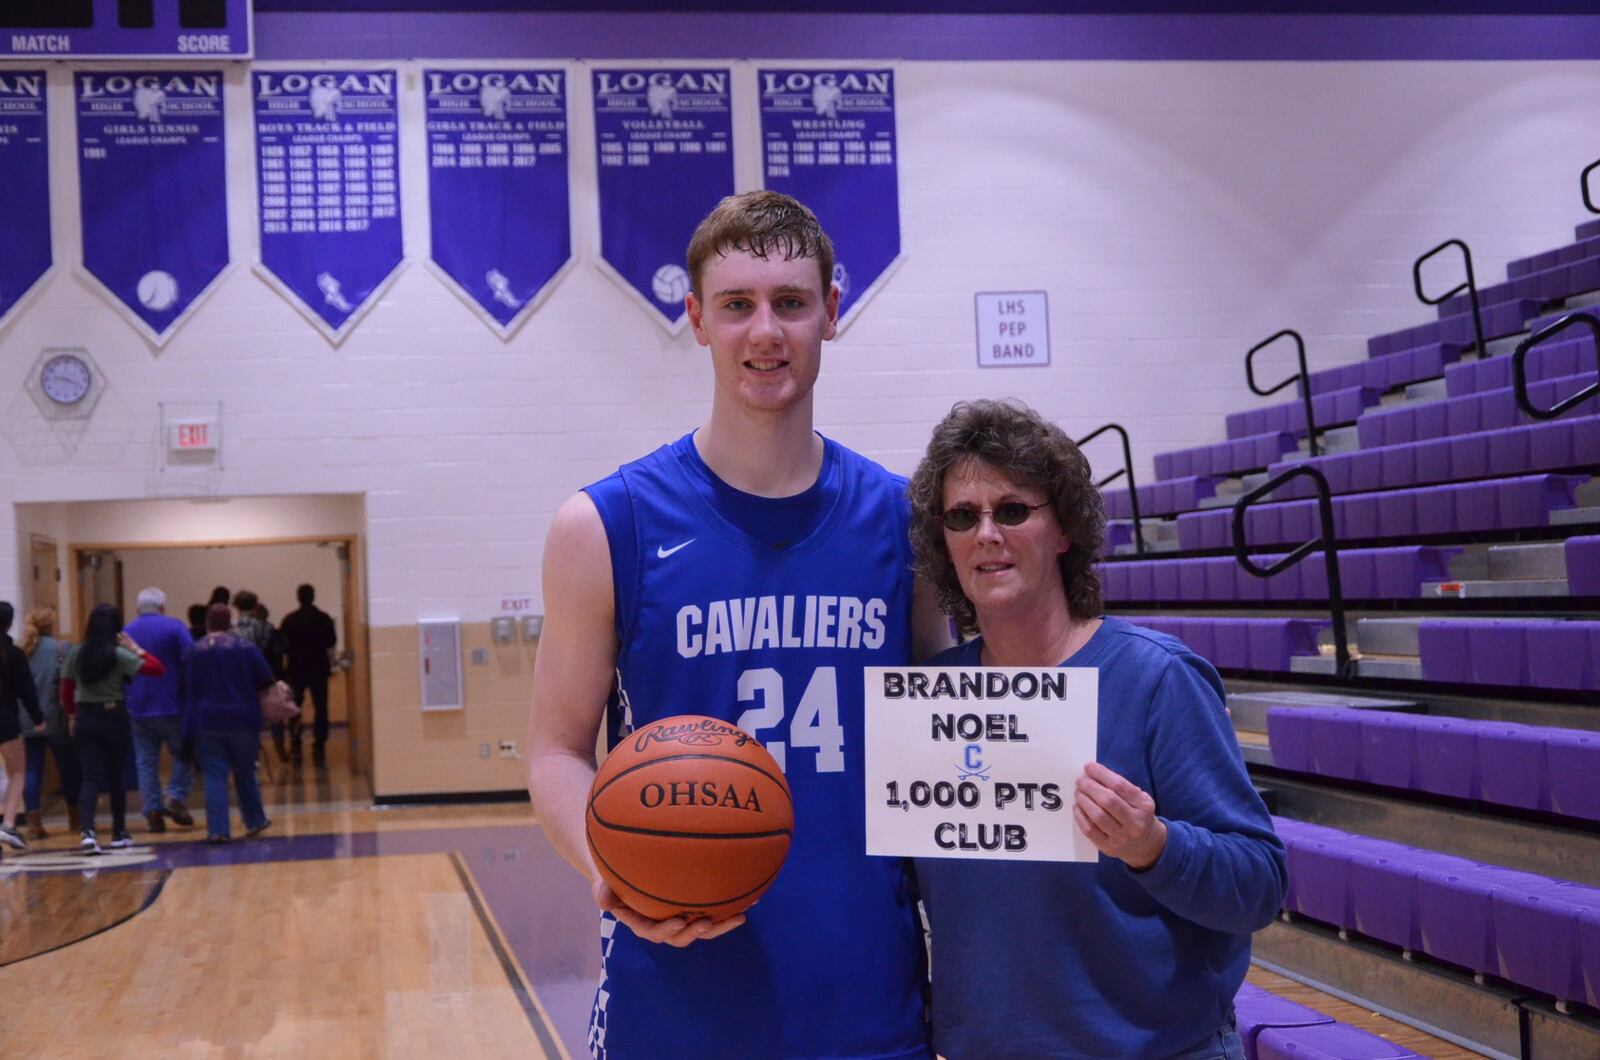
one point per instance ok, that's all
(1140, 954)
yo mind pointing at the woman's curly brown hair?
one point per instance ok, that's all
(1031, 451)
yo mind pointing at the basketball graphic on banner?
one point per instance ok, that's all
(670, 284)
(157, 290)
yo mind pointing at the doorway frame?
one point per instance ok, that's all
(358, 686)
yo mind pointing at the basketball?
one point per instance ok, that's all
(670, 284)
(689, 816)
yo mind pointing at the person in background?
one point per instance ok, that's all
(1140, 953)
(197, 621)
(155, 709)
(16, 686)
(223, 680)
(219, 595)
(311, 637)
(93, 693)
(248, 625)
(44, 654)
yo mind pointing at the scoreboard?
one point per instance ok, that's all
(125, 29)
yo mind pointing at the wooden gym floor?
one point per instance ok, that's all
(343, 931)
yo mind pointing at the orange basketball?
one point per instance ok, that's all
(689, 815)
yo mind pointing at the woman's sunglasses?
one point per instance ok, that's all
(1010, 513)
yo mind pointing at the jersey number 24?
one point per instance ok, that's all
(815, 722)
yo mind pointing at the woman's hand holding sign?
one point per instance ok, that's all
(1118, 817)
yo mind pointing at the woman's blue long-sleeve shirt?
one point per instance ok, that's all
(1040, 959)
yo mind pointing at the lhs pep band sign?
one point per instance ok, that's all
(978, 763)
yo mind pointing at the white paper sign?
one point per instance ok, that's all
(978, 762)
(1013, 328)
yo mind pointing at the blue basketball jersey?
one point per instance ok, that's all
(715, 621)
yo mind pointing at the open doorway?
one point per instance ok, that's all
(273, 570)
(81, 554)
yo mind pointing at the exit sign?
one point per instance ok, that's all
(190, 436)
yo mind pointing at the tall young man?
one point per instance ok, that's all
(643, 571)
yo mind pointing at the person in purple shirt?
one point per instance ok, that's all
(222, 684)
(155, 707)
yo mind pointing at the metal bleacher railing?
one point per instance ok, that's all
(1126, 470)
(1327, 541)
(1470, 285)
(1519, 363)
(1303, 377)
(1583, 185)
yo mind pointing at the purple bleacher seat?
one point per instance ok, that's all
(1330, 1041)
(1397, 514)
(1589, 952)
(1388, 748)
(1221, 575)
(1442, 645)
(1574, 765)
(1498, 652)
(1383, 896)
(1361, 515)
(1166, 578)
(1585, 440)
(1433, 461)
(1232, 643)
(1558, 654)
(1583, 565)
(1289, 737)
(1587, 230)
(1550, 445)
(1510, 454)
(1258, 1010)
(1272, 642)
(1201, 637)
(1336, 744)
(1436, 509)
(1453, 914)
(1536, 933)
(1469, 456)
(1320, 869)
(1192, 580)
(1141, 580)
(1512, 768)
(1299, 522)
(1450, 764)
(1366, 470)
(1477, 505)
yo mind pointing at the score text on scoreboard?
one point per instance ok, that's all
(126, 29)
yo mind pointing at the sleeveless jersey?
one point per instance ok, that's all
(713, 621)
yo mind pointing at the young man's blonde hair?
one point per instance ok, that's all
(761, 223)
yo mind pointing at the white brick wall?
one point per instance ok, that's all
(1176, 213)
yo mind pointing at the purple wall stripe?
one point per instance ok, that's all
(617, 36)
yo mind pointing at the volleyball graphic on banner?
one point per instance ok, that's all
(670, 284)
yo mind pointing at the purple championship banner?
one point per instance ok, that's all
(497, 187)
(153, 190)
(828, 139)
(328, 180)
(25, 255)
(665, 144)
(114, 29)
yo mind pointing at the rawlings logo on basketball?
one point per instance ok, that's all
(706, 733)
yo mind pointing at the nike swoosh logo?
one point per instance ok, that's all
(663, 553)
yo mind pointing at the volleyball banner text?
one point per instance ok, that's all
(978, 762)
